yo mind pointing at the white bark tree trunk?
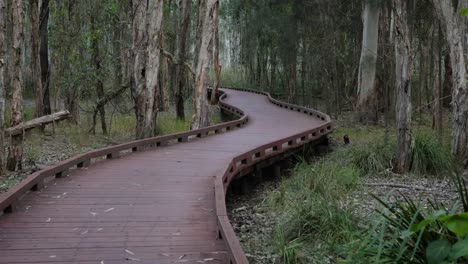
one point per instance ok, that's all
(403, 86)
(200, 106)
(15, 152)
(147, 23)
(454, 33)
(367, 96)
(3, 60)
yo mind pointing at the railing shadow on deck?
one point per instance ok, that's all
(34, 182)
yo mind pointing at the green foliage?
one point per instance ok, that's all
(408, 232)
(429, 156)
(464, 12)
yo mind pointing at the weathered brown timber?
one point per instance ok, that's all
(37, 122)
(162, 205)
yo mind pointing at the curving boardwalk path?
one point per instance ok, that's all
(154, 206)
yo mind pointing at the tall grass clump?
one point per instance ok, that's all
(313, 210)
(430, 156)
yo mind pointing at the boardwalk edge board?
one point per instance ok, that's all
(35, 181)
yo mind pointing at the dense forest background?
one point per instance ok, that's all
(353, 56)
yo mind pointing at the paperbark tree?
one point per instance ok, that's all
(35, 59)
(217, 66)
(449, 17)
(367, 94)
(403, 106)
(147, 24)
(44, 56)
(206, 29)
(2, 83)
(15, 152)
(183, 29)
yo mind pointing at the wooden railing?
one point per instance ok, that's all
(224, 178)
(35, 181)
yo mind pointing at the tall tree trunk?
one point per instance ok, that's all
(454, 32)
(183, 26)
(147, 24)
(44, 56)
(448, 82)
(436, 88)
(35, 59)
(403, 86)
(217, 66)
(15, 153)
(367, 94)
(205, 38)
(3, 61)
(165, 83)
(97, 71)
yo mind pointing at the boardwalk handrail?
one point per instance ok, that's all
(35, 181)
(222, 180)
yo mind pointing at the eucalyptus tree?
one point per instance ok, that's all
(15, 150)
(2, 82)
(403, 61)
(207, 14)
(147, 24)
(454, 31)
(367, 94)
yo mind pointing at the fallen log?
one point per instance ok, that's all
(37, 122)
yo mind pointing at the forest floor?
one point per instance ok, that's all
(271, 232)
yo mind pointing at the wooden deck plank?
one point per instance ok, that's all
(159, 204)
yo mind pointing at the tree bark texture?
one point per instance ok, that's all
(183, 26)
(44, 56)
(3, 60)
(403, 106)
(147, 24)
(367, 95)
(200, 106)
(35, 58)
(217, 66)
(454, 32)
(15, 151)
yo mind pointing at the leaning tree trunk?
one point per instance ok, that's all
(183, 26)
(403, 86)
(200, 106)
(15, 153)
(454, 33)
(44, 56)
(2, 83)
(367, 94)
(35, 59)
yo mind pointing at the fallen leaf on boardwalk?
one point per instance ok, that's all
(99, 229)
(133, 259)
(181, 257)
(108, 210)
(48, 220)
(166, 255)
(93, 213)
(53, 256)
(102, 261)
(176, 234)
(85, 232)
(208, 259)
(75, 229)
(129, 252)
(64, 193)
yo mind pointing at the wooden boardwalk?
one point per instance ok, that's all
(161, 205)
